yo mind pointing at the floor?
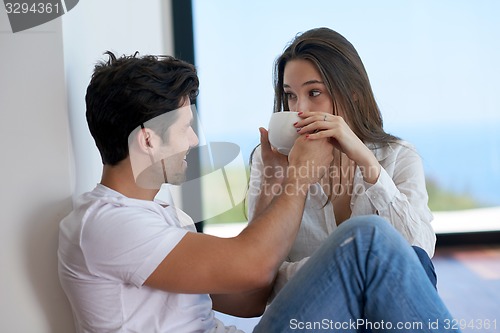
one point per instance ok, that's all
(469, 283)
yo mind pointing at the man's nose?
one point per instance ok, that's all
(194, 140)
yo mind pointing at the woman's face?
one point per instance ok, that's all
(304, 88)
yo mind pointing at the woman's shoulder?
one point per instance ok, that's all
(403, 145)
(392, 148)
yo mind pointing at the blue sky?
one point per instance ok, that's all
(428, 61)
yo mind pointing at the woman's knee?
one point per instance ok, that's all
(366, 222)
(375, 232)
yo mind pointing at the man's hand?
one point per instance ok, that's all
(275, 164)
(310, 160)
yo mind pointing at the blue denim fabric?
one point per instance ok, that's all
(426, 264)
(363, 270)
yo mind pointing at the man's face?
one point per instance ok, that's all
(179, 139)
(159, 147)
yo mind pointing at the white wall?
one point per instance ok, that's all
(93, 27)
(47, 154)
(34, 178)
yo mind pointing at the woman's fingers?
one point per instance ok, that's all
(310, 117)
(319, 125)
(318, 121)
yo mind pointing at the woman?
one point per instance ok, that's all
(321, 76)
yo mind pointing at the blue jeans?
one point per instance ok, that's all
(364, 275)
(426, 264)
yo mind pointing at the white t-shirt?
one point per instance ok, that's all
(108, 246)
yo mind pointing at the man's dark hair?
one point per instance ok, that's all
(126, 92)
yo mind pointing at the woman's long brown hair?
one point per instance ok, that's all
(345, 79)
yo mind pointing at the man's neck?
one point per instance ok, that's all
(121, 179)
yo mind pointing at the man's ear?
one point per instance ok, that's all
(144, 138)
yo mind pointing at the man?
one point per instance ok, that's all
(130, 264)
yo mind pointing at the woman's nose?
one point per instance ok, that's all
(302, 105)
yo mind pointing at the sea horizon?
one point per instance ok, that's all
(460, 158)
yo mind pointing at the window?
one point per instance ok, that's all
(434, 70)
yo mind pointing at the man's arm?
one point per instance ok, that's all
(247, 304)
(246, 263)
(270, 174)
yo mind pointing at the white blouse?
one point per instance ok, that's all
(399, 196)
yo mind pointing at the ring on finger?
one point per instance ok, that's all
(324, 118)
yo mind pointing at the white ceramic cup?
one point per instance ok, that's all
(282, 133)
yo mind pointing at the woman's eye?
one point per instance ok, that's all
(289, 95)
(314, 93)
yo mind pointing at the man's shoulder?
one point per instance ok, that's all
(103, 209)
(102, 197)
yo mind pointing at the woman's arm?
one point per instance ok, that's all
(402, 199)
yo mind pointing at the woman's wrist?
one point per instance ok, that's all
(370, 172)
(370, 168)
